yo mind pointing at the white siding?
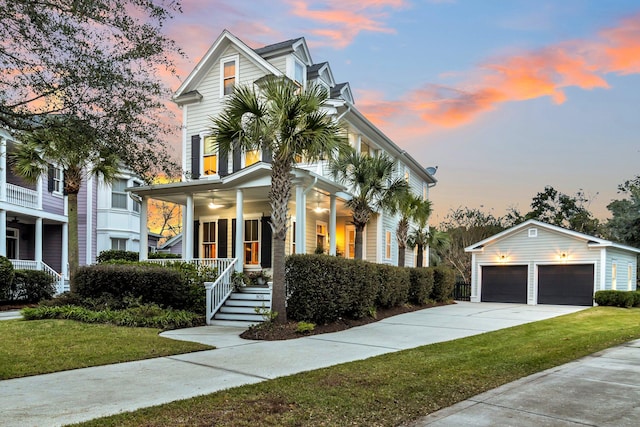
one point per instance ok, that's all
(371, 240)
(622, 260)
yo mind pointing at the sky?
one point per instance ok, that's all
(504, 96)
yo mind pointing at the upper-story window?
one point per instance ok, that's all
(58, 180)
(228, 74)
(365, 148)
(251, 157)
(136, 205)
(407, 175)
(299, 74)
(118, 195)
(209, 156)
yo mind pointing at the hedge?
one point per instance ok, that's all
(115, 254)
(626, 299)
(6, 277)
(323, 289)
(32, 286)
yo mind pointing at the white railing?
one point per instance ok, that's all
(21, 196)
(61, 284)
(220, 264)
(219, 291)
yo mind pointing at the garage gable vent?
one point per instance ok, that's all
(533, 232)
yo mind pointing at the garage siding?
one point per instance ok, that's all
(545, 248)
(622, 260)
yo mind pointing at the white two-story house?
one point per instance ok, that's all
(224, 195)
(34, 224)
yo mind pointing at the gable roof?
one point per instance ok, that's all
(591, 241)
(209, 59)
(285, 46)
(343, 91)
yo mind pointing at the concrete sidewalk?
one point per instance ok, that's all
(83, 394)
(602, 389)
(10, 315)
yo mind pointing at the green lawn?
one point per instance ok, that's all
(43, 346)
(399, 387)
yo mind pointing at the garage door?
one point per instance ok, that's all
(504, 283)
(565, 284)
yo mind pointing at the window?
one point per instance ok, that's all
(387, 245)
(58, 180)
(251, 242)
(251, 157)
(299, 73)
(614, 274)
(321, 236)
(351, 242)
(365, 148)
(629, 277)
(136, 205)
(209, 240)
(406, 175)
(119, 244)
(229, 77)
(533, 232)
(209, 156)
(118, 195)
(12, 243)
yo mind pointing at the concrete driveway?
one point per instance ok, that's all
(83, 394)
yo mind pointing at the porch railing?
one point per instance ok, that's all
(221, 264)
(21, 196)
(219, 291)
(60, 284)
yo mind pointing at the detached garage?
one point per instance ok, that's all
(538, 263)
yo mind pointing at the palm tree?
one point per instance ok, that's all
(406, 203)
(288, 121)
(438, 242)
(420, 235)
(72, 145)
(370, 181)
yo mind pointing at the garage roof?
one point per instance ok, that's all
(591, 241)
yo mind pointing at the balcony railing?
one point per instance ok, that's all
(21, 196)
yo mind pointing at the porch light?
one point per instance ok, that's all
(503, 258)
(318, 209)
(564, 256)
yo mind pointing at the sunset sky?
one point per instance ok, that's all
(504, 96)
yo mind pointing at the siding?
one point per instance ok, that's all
(82, 222)
(389, 223)
(280, 63)
(370, 238)
(52, 246)
(52, 203)
(622, 260)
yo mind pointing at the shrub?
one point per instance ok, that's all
(117, 255)
(147, 316)
(393, 286)
(32, 286)
(421, 285)
(163, 255)
(150, 283)
(305, 327)
(6, 277)
(444, 280)
(618, 298)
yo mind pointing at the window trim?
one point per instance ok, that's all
(203, 220)
(629, 277)
(119, 239)
(388, 250)
(245, 241)
(243, 160)
(126, 201)
(203, 136)
(60, 182)
(231, 58)
(614, 275)
(291, 70)
(325, 227)
(16, 238)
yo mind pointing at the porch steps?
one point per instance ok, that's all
(241, 305)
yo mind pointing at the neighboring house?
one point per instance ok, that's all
(34, 223)
(538, 263)
(224, 194)
(172, 245)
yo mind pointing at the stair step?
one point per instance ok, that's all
(250, 297)
(247, 303)
(239, 317)
(254, 290)
(238, 310)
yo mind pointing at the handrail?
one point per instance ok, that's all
(220, 264)
(21, 196)
(219, 291)
(60, 283)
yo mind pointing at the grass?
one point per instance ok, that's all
(44, 346)
(395, 388)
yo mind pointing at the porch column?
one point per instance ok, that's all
(65, 251)
(332, 224)
(38, 241)
(187, 236)
(300, 220)
(144, 232)
(3, 174)
(239, 230)
(3, 231)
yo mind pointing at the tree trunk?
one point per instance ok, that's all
(420, 255)
(401, 254)
(279, 293)
(73, 249)
(359, 240)
(402, 235)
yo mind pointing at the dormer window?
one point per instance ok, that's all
(228, 74)
(299, 74)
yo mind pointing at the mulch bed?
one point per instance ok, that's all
(14, 306)
(274, 332)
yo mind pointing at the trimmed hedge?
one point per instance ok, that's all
(32, 286)
(421, 284)
(323, 289)
(444, 280)
(6, 277)
(114, 254)
(626, 299)
(150, 283)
